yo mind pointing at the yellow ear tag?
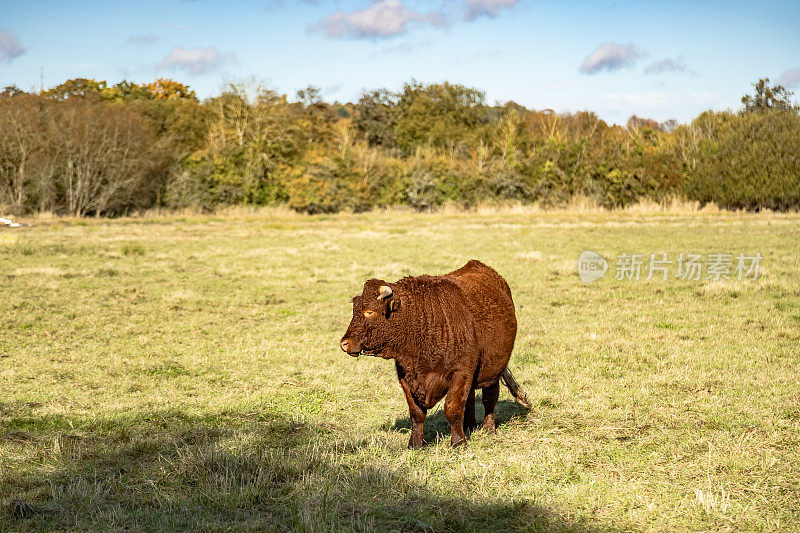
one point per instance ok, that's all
(369, 314)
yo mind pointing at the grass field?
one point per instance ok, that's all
(184, 373)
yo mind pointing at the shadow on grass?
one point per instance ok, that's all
(240, 471)
(437, 427)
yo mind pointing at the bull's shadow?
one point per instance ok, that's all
(437, 426)
(240, 471)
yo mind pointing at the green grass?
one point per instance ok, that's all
(184, 373)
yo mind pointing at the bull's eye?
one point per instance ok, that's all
(369, 313)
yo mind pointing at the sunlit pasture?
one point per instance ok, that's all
(183, 372)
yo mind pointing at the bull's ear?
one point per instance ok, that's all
(392, 304)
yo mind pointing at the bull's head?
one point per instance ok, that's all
(371, 329)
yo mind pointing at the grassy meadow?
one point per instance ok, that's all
(183, 372)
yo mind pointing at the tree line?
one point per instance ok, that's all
(86, 148)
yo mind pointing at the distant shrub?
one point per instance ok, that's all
(746, 161)
(509, 185)
(326, 184)
(422, 190)
(205, 181)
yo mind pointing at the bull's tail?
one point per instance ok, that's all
(519, 395)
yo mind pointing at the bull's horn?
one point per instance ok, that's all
(386, 291)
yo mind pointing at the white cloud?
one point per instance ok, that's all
(10, 47)
(610, 56)
(195, 60)
(388, 18)
(486, 8)
(791, 78)
(666, 65)
(150, 38)
(280, 4)
(384, 18)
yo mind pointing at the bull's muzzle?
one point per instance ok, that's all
(350, 346)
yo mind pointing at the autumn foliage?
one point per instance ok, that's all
(86, 148)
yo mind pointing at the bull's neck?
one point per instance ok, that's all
(408, 361)
(406, 342)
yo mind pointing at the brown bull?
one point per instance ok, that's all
(448, 335)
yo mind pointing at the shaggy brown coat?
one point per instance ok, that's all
(448, 336)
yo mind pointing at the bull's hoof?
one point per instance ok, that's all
(416, 445)
(459, 442)
(488, 428)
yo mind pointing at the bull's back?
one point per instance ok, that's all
(492, 307)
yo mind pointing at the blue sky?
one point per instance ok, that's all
(670, 59)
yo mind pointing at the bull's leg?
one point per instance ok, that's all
(415, 412)
(490, 395)
(454, 405)
(417, 439)
(417, 415)
(469, 413)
